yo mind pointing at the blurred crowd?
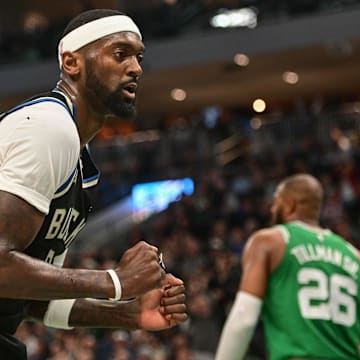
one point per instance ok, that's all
(28, 35)
(236, 163)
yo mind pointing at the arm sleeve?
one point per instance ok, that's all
(239, 327)
(39, 150)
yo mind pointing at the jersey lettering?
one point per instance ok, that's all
(69, 239)
(326, 297)
(50, 256)
(57, 260)
(55, 225)
(72, 215)
(61, 223)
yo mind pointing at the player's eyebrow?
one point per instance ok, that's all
(126, 44)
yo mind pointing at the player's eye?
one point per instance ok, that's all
(119, 55)
(140, 58)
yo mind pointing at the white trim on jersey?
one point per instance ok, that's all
(67, 185)
(87, 183)
(284, 232)
(68, 101)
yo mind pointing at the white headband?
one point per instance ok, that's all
(95, 30)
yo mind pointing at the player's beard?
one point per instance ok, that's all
(278, 217)
(113, 102)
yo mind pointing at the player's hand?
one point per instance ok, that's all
(163, 308)
(139, 270)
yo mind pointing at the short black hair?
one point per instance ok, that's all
(88, 16)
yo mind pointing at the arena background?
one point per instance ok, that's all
(199, 120)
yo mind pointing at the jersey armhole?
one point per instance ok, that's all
(284, 233)
(64, 188)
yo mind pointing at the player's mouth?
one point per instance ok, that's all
(129, 90)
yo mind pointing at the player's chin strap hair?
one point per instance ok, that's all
(95, 30)
(239, 327)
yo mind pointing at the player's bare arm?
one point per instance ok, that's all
(156, 310)
(24, 277)
(262, 254)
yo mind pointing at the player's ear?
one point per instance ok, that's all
(291, 205)
(72, 63)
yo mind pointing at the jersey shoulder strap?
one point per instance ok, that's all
(46, 96)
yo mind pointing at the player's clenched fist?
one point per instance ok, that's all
(139, 270)
(163, 308)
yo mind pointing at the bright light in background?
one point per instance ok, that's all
(259, 105)
(153, 197)
(178, 94)
(290, 77)
(245, 17)
(241, 60)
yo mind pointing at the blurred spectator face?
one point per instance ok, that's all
(219, 229)
(191, 245)
(34, 22)
(236, 239)
(180, 340)
(223, 263)
(200, 306)
(183, 354)
(121, 354)
(197, 282)
(58, 353)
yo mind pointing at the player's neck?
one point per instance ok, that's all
(310, 223)
(88, 122)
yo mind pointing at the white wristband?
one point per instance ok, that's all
(58, 313)
(117, 285)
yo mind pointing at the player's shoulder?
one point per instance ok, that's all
(46, 107)
(46, 119)
(41, 106)
(267, 233)
(265, 238)
(351, 247)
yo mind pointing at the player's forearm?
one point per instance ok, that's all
(94, 313)
(24, 277)
(103, 313)
(239, 327)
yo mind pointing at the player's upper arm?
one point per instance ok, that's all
(38, 152)
(19, 222)
(256, 262)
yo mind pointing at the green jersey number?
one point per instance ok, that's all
(326, 297)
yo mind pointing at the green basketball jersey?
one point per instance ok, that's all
(312, 304)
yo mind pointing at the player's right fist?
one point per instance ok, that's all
(139, 270)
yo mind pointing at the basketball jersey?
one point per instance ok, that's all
(311, 309)
(68, 213)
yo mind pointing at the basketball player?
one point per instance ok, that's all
(46, 179)
(304, 280)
